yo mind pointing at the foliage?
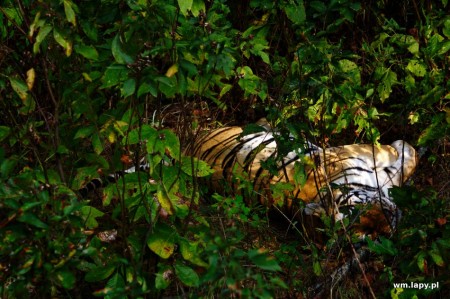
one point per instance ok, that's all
(82, 87)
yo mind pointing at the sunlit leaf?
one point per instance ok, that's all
(185, 6)
(172, 70)
(70, 13)
(417, 68)
(43, 32)
(162, 240)
(190, 252)
(19, 87)
(31, 76)
(197, 7)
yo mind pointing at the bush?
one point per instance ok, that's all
(85, 90)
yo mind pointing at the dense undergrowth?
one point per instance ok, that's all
(83, 83)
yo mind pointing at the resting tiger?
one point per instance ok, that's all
(353, 174)
(356, 174)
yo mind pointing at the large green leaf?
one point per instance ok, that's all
(185, 6)
(295, 11)
(190, 252)
(162, 240)
(187, 275)
(119, 55)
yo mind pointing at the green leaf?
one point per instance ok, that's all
(62, 41)
(190, 252)
(185, 6)
(88, 52)
(119, 55)
(201, 168)
(147, 87)
(444, 48)
(417, 68)
(436, 256)
(446, 29)
(19, 87)
(116, 283)
(260, 258)
(114, 75)
(84, 132)
(384, 246)
(32, 219)
(162, 240)
(351, 69)
(43, 32)
(97, 144)
(388, 79)
(248, 81)
(100, 273)
(187, 275)
(197, 6)
(66, 278)
(300, 176)
(89, 215)
(148, 133)
(421, 260)
(295, 11)
(163, 278)
(4, 132)
(128, 88)
(225, 88)
(164, 200)
(70, 14)
(434, 131)
(164, 140)
(7, 166)
(90, 29)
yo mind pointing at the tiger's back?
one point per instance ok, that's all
(352, 174)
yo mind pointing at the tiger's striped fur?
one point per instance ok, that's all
(353, 174)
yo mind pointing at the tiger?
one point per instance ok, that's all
(356, 174)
